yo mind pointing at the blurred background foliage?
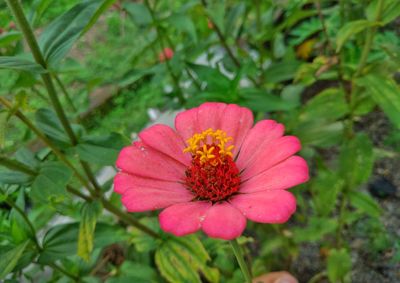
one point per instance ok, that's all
(328, 70)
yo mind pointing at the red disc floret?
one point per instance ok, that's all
(214, 180)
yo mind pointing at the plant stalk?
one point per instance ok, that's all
(369, 40)
(29, 36)
(175, 79)
(26, 219)
(41, 136)
(65, 92)
(127, 218)
(237, 250)
(26, 29)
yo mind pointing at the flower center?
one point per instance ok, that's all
(213, 174)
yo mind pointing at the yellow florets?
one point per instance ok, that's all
(204, 144)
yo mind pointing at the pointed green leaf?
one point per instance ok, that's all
(10, 259)
(9, 37)
(51, 181)
(338, 265)
(20, 64)
(59, 36)
(386, 93)
(90, 212)
(181, 259)
(350, 29)
(356, 160)
(365, 203)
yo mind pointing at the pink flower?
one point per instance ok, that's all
(166, 54)
(213, 172)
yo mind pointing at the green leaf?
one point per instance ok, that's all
(350, 29)
(10, 259)
(9, 37)
(391, 10)
(325, 188)
(142, 241)
(51, 181)
(356, 160)
(48, 122)
(385, 92)
(315, 230)
(14, 177)
(281, 71)
(101, 150)
(365, 203)
(90, 212)
(135, 272)
(180, 260)
(319, 133)
(183, 23)
(213, 78)
(37, 10)
(20, 64)
(59, 36)
(328, 105)
(338, 265)
(20, 231)
(61, 240)
(138, 12)
(260, 100)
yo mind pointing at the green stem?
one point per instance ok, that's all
(26, 29)
(35, 239)
(15, 165)
(240, 259)
(41, 136)
(127, 218)
(369, 39)
(342, 210)
(222, 38)
(160, 35)
(29, 36)
(318, 277)
(65, 272)
(65, 92)
(26, 219)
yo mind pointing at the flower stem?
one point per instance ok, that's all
(23, 24)
(240, 259)
(160, 36)
(125, 217)
(369, 39)
(30, 38)
(41, 136)
(65, 92)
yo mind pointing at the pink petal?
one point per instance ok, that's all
(224, 221)
(272, 153)
(291, 172)
(258, 139)
(183, 218)
(166, 140)
(186, 123)
(274, 206)
(209, 115)
(144, 161)
(124, 181)
(236, 121)
(144, 199)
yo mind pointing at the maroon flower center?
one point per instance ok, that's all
(215, 178)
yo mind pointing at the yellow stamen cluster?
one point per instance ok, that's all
(204, 144)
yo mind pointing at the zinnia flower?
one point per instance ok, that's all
(166, 54)
(213, 172)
